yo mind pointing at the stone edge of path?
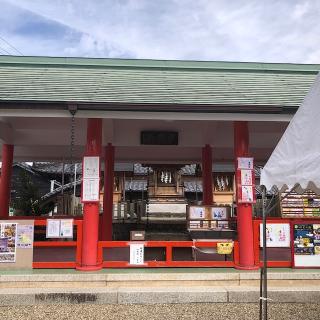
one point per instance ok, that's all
(85, 277)
(155, 295)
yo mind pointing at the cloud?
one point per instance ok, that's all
(234, 30)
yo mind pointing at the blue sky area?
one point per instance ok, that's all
(233, 30)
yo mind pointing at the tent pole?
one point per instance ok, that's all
(263, 314)
(265, 288)
(260, 300)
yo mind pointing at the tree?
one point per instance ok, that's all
(27, 200)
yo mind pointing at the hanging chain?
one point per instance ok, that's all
(72, 137)
(72, 109)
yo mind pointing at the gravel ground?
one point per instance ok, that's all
(199, 311)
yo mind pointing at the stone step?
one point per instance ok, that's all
(157, 278)
(155, 295)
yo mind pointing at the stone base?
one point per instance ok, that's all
(238, 267)
(89, 268)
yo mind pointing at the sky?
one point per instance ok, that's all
(214, 30)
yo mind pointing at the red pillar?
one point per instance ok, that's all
(91, 210)
(244, 211)
(5, 183)
(207, 175)
(106, 223)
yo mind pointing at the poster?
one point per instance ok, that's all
(306, 245)
(245, 163)
(137, 254)
(219, 213)
(53, 228)
(59, 228)
(25, 236)
(66, 228)
(90, 190)
(197, 213)
(278, 235)
(246, 194)
(91, 168)
(246, 177)
(8, 242)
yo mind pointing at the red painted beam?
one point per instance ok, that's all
(244, 211)
(91, 210)
(106, 221)
(5, 182)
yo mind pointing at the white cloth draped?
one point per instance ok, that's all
(296, 158)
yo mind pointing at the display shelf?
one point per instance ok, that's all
(300, 205)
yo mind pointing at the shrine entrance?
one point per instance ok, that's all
(184, 123)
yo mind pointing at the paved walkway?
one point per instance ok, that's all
(200, 311)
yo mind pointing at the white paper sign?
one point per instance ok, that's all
(91, 168)
(278, 235)
(66, 228)
(245, 163)
(246, 194)
(53, 228)
(197, 212)
(91, 190)
(246, 177)
(59, 228)
(137, 254)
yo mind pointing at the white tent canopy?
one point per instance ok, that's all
(296, 159)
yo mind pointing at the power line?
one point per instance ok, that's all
(14, 48)
(5, 51)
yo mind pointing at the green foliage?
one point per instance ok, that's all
(27, 201)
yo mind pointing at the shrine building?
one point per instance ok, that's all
(168, 133)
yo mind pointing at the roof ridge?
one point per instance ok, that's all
(153, 63)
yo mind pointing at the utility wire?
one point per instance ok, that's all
(4, 51)
(10, 45)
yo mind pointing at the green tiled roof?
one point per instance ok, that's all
(85, 80)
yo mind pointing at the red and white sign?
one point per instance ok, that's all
(245, 180)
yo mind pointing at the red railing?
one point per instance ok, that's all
(168, 262)
(58, 244)
(256, 243)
